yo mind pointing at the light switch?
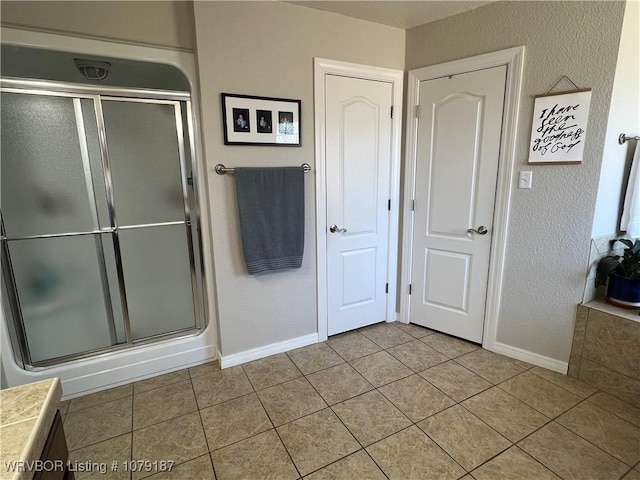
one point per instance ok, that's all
(525, 179)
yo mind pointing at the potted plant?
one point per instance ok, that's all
(623, 273)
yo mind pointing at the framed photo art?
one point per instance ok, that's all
(250, 120)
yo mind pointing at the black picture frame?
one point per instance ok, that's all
(265, 121)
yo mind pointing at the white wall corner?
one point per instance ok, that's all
(267, 350)
(531, 357)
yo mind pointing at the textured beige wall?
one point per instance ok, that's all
(267, 49)
(157, 23)
(549, 225)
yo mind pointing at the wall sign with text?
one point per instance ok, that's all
(559, 127)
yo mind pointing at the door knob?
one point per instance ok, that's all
(482, 230)
(334, 228)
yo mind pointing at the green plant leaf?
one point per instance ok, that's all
(627, 264)
(627, 242)
(605, 267)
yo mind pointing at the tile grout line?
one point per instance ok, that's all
(553, 420)
(513, 445)
(245, 438)
(440, 447)
(423, 369)
(275, 429)
(473, 373)
(275, 384)
(167, 419)
(521, 448)
(131, 433)
(334, 351)
(450, 455)
(560, 386)
(584, 337)
(613, 413)
(586, 439)
(628, 377)
(173, 382)
(376, 463)
(204, 431)
(97, 404)
(248, 378)
(531, 406)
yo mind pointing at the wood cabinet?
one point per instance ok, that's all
(55, 450)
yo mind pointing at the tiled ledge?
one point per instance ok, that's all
(603, 306)
(605, 350)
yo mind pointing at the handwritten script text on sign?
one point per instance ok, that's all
(559, 128)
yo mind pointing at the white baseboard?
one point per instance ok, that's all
(530, 357)
(261, 352)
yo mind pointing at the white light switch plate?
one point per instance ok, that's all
(526, 177)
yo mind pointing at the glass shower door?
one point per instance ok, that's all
(147, 167)
(55, 243)
(98, 222)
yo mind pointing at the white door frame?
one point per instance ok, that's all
(321, 68)
(513, 58)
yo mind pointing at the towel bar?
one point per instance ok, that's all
(222, 170)
(623, 138)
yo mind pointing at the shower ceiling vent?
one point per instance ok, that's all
(92, 69)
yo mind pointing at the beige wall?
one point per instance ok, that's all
(549, 225)
(267, 49)
(155, 23)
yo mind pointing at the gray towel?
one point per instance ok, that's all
(271, 210)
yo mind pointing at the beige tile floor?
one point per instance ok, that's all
(388, 401)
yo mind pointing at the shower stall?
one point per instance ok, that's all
(101, 248)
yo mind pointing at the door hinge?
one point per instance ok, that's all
(413, 205)
(391, 111)
(386, 288)
(417, 111)
(389, 205)
(409, 289)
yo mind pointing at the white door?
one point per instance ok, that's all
(458, 147)
(358, 162)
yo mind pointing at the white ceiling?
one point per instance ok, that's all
(395, 13)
